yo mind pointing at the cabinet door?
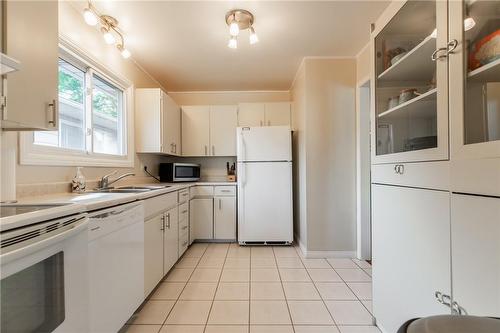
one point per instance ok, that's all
(223, 123)
(225, 218)
(251, 114)
(153, 252)
(149, 120)
(278, 114)
(171, 126)
(195, 130)
(410, 100)
(411, 253)
(31, 37)
(201, 216)
(171, 240)
(475, 240)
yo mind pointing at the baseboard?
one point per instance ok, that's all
(323, 254)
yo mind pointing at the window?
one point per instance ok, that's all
(93, 118)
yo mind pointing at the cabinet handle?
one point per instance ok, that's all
(452, 45)
(184, 244)
(435, 55)
(206, 148)
(399, 169)
(168, 219)
(220, 204)
(162, 223)
(213, 150)
(225, 191)
(268, 123)
(184, 228)
(175, 148)
(95, 228)
(53, 109)
(261, 123)
(184, 211)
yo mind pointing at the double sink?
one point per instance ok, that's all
(131, 189)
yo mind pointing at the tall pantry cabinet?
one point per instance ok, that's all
(435, 160)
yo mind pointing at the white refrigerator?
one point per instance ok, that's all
(264, 168)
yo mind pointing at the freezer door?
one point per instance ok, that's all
(265, 202)
(270, 143)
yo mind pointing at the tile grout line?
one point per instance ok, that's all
(249, 290)
(216, 288)
(185, 285)
(283, 288)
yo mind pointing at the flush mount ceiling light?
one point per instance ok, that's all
(238, 20)
(109, 28)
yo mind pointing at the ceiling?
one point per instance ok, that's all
(183, 44)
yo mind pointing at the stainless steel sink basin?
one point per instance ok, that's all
(146, 187)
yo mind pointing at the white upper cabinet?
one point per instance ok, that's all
(196, 130)
(209, 130)
(277, 114)
(251, 114)
(31, 37)
(264, 114)
(157, 122)
(410, 85)
(223, 123)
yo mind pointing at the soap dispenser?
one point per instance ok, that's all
(78, 183)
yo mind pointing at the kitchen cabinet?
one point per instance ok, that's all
(201, 214)
(184, 228)
(225, 218)
(223, 123)
(264, 114)
(209, 130)
(410, 83)
(157, 122)
(475, 254)
(474, 97)
(195, 130)
(170, 239)
(411, 253)
(153, 252)
(31, 36)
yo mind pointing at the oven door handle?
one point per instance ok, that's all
(77, 227)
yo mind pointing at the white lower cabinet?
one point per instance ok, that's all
(475, 241)
(224, 218)
(170, 239)
(411, 253)
(153, 252)
(201, 212)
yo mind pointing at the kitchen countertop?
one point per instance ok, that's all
(91, 201)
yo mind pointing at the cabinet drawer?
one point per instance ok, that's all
(197, 191)
(225, 190)
(183, 226)
(433, 175)
(153, 206)
(183, 242)
(184, 211)
(183, 195)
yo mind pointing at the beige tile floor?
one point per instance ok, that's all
(225, 288)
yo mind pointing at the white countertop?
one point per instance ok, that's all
(90, 201)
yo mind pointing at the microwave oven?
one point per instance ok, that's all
(179, 172)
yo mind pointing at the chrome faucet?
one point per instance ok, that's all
(105, 182)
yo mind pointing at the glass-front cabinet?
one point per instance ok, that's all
(410, 121)
(475, 79)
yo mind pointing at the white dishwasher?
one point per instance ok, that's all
(116, 265)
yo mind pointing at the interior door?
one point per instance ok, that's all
(265, 201)
(171, 239)
(223, 123)
(171, 126)
(475, 240)
(31, 37)
(251, 114)
(195, 130)
(225, 218)
(411, 253)
(153, 252)
(278, 114)
(201, 212)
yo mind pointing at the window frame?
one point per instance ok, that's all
(34, 154)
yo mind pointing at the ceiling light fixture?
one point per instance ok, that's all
(109, 28)
(237, 20)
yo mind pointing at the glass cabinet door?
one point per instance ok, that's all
(411, 116)
(475, 78)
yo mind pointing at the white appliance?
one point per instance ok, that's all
(264, 167)
(116, 265)
(43, 269)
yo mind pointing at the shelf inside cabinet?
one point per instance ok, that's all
(423, 106)
(486, 73)
(416, 65)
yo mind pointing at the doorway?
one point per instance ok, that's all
(363, 175)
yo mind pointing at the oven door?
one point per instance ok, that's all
(44, 278)
(184, 172)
